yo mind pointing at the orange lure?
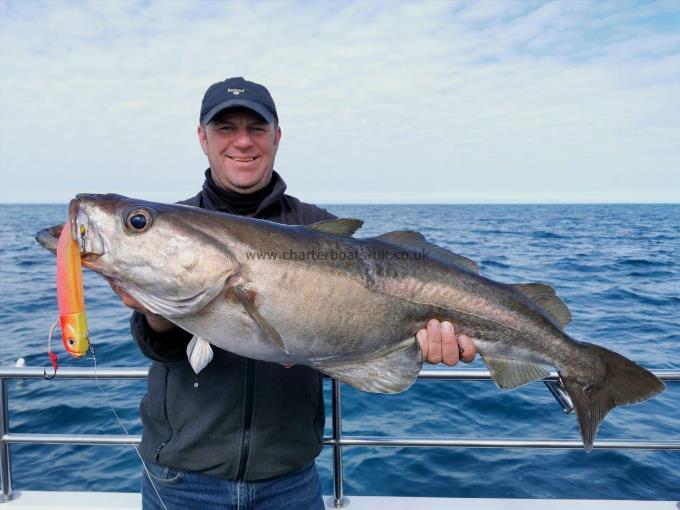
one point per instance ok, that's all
(70, 296)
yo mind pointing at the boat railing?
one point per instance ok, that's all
(337, 440)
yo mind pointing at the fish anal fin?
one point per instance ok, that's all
(416, 241)
(546, 298)
(510, 373)
(199, 353)
(247, 299)
(392, 373)
(341, 227)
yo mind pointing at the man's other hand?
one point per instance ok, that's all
(440, 344)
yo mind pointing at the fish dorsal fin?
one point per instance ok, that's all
(545, 297)
(247, 299)
(416, 240)
(393, 372)
(511, 373)
(200, 353)
(342, 227)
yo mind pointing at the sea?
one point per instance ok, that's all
(617, 267)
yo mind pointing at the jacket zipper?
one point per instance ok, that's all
(248, 417)
(157, 453)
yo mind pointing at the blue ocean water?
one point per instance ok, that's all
(616, 266)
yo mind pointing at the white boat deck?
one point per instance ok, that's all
(43, 500)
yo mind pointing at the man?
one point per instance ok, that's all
(242, 433)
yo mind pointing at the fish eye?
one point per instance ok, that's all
(138, 220)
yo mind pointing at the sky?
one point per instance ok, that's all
(379, 102)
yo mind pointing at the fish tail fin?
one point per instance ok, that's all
(619, 382)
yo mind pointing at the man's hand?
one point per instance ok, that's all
(127, 299)
(157, 323)
(439, 344)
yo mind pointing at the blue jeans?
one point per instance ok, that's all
(183, 490)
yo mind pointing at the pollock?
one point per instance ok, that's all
(349, 307)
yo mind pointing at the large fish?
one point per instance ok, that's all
(349, 307)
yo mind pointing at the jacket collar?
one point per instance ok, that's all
(251, 204)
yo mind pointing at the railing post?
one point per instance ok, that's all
(338, 500)
(5, 468)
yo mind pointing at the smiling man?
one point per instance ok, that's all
(242, 433)
(239, 141)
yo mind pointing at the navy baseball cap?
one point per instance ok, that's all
(237, 92)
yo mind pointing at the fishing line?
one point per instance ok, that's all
(146, 470)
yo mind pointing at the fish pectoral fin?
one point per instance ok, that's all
(416, 241)
(511, 373)
(342, 227)
(247, 300)
(393, 372)
(200, 353)
(546, 297)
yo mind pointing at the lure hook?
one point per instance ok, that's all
(55, 366)
(53, 356)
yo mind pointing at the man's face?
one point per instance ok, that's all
(241, 148)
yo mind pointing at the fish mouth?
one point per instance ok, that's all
(92, 245)
(49, 237)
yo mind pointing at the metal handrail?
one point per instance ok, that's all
(459, 374)
(336, 440)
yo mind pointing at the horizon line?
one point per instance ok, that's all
(420, 203)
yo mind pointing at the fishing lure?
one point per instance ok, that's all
(70, 295)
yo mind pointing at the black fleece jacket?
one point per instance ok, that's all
(238, 419)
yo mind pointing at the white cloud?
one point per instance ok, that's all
(379, 101)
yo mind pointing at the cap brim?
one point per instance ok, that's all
(233, 103)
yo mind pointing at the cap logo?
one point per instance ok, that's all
(236, 92)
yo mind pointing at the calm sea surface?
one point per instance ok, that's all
(616, 266)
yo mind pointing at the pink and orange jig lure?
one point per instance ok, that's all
(70, 298)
